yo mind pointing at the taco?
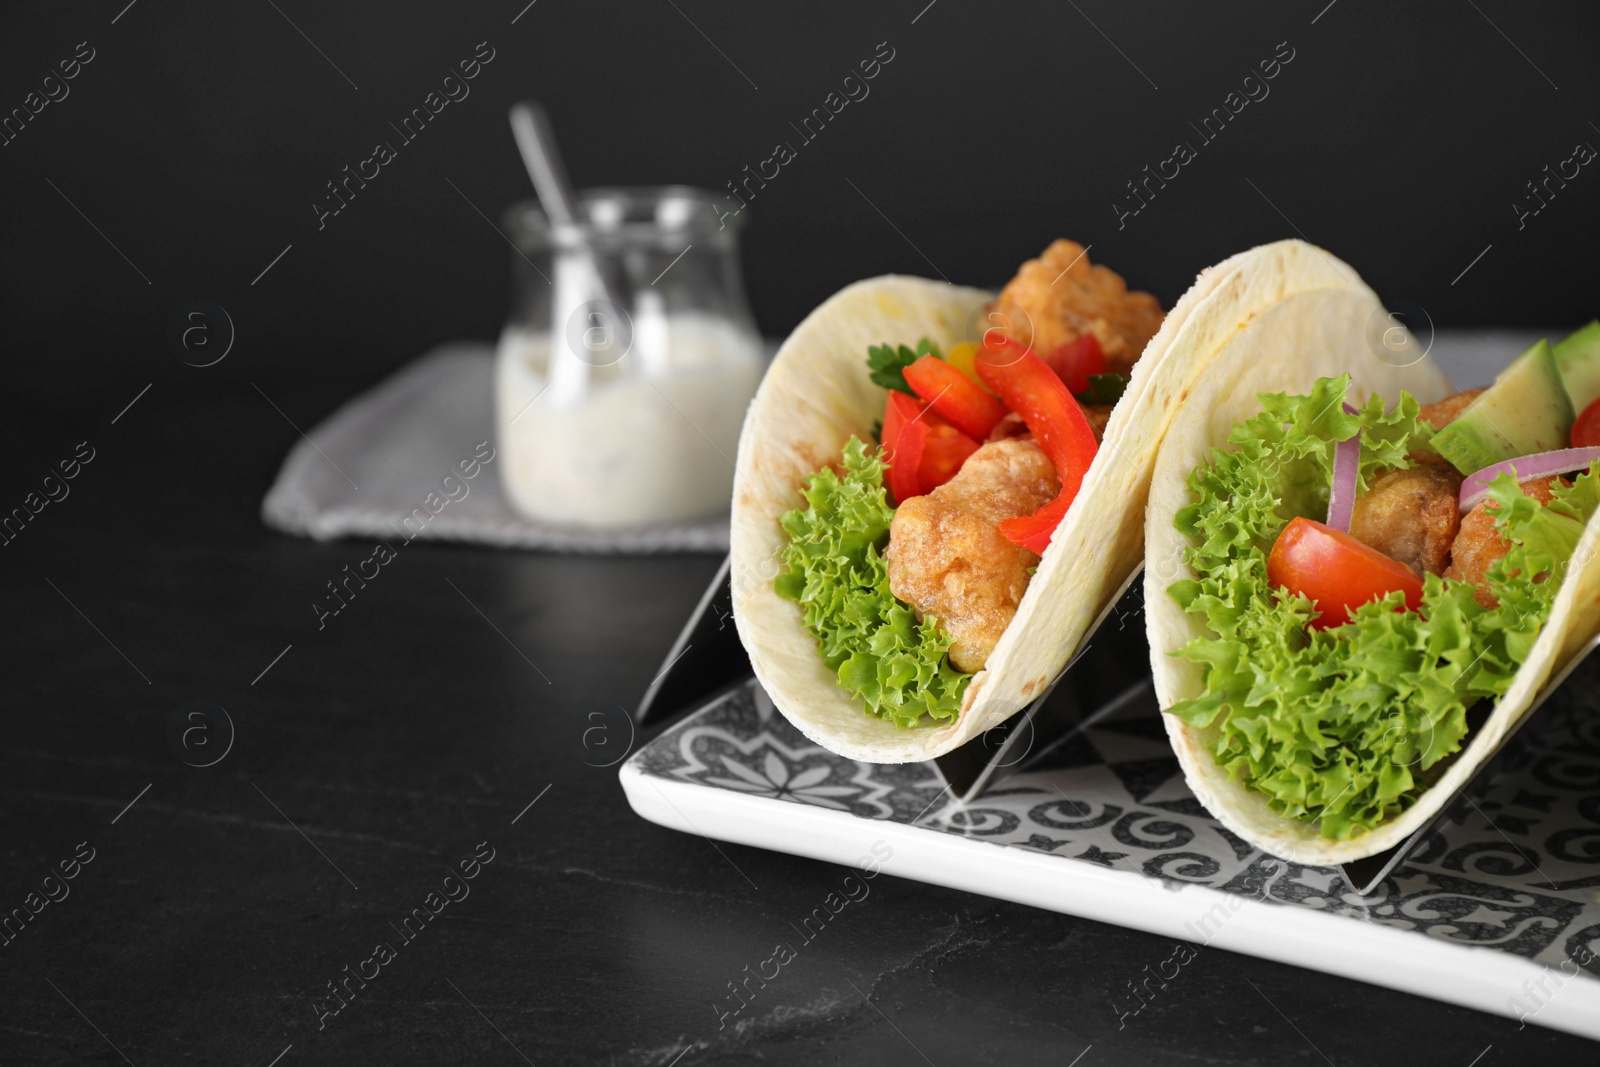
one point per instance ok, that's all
(1358, 580)
(938, 492)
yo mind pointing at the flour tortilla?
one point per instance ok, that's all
(818, 393)
(1320, 325)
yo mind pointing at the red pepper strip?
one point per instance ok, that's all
(944, 450)
(1074, 361)
(904, 433)
(1031, 389)
(953, 395)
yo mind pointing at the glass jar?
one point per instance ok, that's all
(627, 361)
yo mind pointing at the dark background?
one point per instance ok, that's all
(196, 141)
(199, 137)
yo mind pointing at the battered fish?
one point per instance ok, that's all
(1479, 544)
(1442, 413)
(1013, 426)
(1439, 414)
(1063, 297)
(1411, 515)
(947, 557)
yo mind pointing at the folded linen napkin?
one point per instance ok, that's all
(395, 461)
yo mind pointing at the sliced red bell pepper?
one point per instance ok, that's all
(953, 395)
(1033, 390)
(904, 433)
(1074, 361)
(944, 450)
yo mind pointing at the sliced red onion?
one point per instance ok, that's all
(1346, 468)
(1524, 468)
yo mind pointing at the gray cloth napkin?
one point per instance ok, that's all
(401, 440)
(390, 463)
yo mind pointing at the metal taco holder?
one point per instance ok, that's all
(1112, 668)
(1109, 673)
(1365, 874)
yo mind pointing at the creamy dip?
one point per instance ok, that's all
(649, 439)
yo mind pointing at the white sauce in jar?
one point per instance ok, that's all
(649, 443)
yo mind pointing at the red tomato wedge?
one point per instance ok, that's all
(953, 395)
(904, 434)
(1031, 389)
(1336, 571)
(1074, 361)
(1586, 430)
(944, 450)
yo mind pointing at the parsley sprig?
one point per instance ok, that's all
(887, 363)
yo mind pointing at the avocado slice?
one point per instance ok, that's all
(1578, 360)
(1527, 410)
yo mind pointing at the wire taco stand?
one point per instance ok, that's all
(1109, 676)
(707, 659)
(1365, 874)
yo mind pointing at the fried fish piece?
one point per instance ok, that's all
(1013, 426)
(1442, 413)
(1063, 297)
(1010, 426)
(1479, 544)
(1439, 414)
(947, 557)
(1411, 515)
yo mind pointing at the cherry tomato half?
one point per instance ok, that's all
(1336, 571)
(1586, 430)
(1074, 361)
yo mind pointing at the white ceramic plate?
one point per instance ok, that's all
(1480, 914)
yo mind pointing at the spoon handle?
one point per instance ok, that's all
(537, 143)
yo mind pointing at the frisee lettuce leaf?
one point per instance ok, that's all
(1341, 726)
(834, 568)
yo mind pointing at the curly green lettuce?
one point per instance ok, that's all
(1342, 726)
(834, 568)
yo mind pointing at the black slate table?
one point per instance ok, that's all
(448, 723)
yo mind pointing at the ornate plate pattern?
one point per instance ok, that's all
(1516, 868)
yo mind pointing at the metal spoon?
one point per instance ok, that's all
(537, 144)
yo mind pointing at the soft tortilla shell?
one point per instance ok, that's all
(817, 394)
(1319, 327)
